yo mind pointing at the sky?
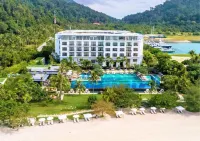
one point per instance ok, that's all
(120, 8)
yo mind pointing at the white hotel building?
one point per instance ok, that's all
(89, 44)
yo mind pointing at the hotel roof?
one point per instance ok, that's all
(97, 32)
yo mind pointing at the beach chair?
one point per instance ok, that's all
(76, 118)
(133, 111)
(119, 114)
(142, 111)
(31, 121)
(41, 121)
(162, 110)
(87, 117)
(50, 121)
(180, 109)
(62, 118)
(153, 110)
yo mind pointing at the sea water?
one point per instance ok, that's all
(184, 48)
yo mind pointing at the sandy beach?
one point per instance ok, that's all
(158, 127)
(180, 58)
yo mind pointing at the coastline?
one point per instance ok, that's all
(165, 127)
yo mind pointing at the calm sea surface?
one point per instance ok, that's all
(184, 48)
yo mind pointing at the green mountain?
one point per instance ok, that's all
(172, 12)
(24, 24)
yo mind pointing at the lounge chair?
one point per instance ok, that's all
(180, 109)
(119, 114)
(153, 110)
(50, 121)
(161, 91)
(133, 111)
(76, 118)
(162, 110)
(62, 118)
(87, 117)
(147, 91)
(142, 111)
(31, 121)
(42, 121)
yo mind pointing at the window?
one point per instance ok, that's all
(129, 44)
(128, 49)
(93, 61)
(64, 54)
(100, 54)
(86, 48)
(107, 49)
(86, 53)
(71, 49)
(79, 49)
(122, 44)
(134, 60)
(71, 54)
(114, 49)
(71, 43)
(64, 49)
(135, 37)
(114, 54)
(78, 37)
(86, 43)
(135, 49)
(129, 38)
(121, 54)
(107, 44)
(93, 49)
(100, 37)
(121, 38)
(135, 54)
(93, 54)
(108, 38)
(86, 37)
(128, 54)
(115, 38)
(100, 44)
(64, 43)
(72, 38)
(93, 44)
(115, 44)
(79, 54)
(121, 49)
(91, 38)
(107, 54)
(135, 44)
(79, 43)
(100, 49)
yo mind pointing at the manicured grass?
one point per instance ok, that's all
(146, 96)
(181, 55)
(70, 103)
(182, 38)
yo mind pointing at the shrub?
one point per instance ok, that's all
(92, 99)
(165, 100)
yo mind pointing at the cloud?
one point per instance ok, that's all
(120, 8)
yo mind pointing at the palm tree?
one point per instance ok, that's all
(100, 60)
(119, 60)
(152, 83)
(79, 87)
(192, 53)
(86, 64)
(94, 78)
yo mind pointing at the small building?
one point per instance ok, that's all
(50, 70)
(40, 77)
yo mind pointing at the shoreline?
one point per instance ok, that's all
(151, 127)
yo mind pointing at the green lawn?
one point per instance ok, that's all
(146, 96)
(181, 55)
(70, 103)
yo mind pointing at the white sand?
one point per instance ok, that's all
(180, 58)
(159, 127)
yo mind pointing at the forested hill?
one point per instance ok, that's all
(24, 24)
(176, 12)
(25, 13)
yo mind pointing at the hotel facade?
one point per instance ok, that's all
(89, 44)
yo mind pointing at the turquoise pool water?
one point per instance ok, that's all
(111, 80)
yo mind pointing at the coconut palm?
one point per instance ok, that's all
(94, 78)
(79, 87)
(192, 53)
(119, 60)
(152, 83)
(100, 60)
(86, 64)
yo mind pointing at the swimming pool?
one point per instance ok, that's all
(111, 80)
